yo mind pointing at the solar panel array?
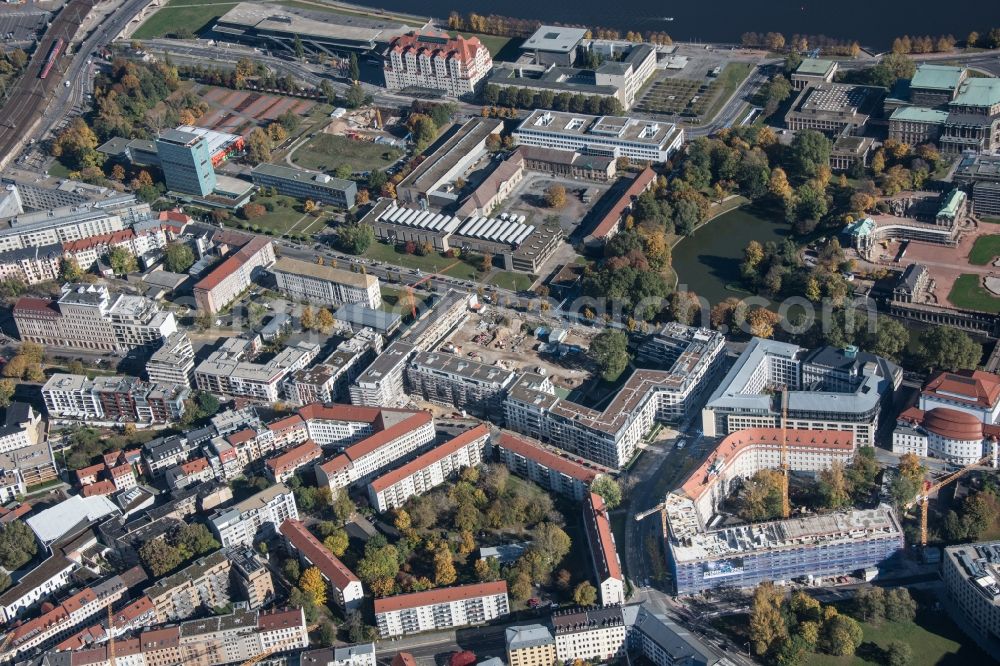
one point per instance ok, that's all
(496, 230)
(422, 219)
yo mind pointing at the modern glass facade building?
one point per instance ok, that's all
(186, 162)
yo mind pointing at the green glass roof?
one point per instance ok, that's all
(919, 114)
(978, 92)
(814, 66)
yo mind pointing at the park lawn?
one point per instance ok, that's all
(58, 170)
(179, 14)
(279, 221)
(326, 152)
(511, 280)
(493, 43)
(431, 263)
(985, 250)
(729, 79)
(393, 298)
(969, 293)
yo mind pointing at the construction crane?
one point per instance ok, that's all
(111, 635)
(923, 498)
(648, 512)
(786, 507)
(429, 276)
(260, 656)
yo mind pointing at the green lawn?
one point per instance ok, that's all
(286, 217)
(326, 152)
(431, 263)
(511, 280)
(181, 14)
(991, 220)
(494, 43)
(985, 250)
(393, 298)
(968, 292)
(58, 170)
(732, 75)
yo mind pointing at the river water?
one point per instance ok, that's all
(872, 23)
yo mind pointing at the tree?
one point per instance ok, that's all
(551, 544)
(609, 350)
(422, 128)
(833, 486)
(327, 633)
(444, 567)
(555, 196)
(809, 151)
(160, 557)
(122, 261)
(291, 569)
(762, 496)
(354, 238)
(69, 269)
(608, 489)
(353, 70)
(947, 348)
(17, 545)
(311, 583)
(299, 49)
(585, 594)
(324, 321)
(378, 568)
(767, 626)
(843, 635)
(356, 96)
(898, 653)
(258, 146)
(7, 387)
(762, 322)
(342, 506)
(276, 133)
(870, 604)
(900, 606)
(194, 540)
(337, 542)
(179, 257)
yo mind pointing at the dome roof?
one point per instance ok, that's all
(953, 424)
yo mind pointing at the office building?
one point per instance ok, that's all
(173, 362)
(827, 389)
(590, 634)
(230, 370)
(609, 136)
(547, 468)
(935, 85)
(530, 645)
(186, 162)
(234, 275)
(603, 553)
(325, 285)
(972, 583)
(306, 185)
(453, 65)
(429, 470)
(441, 608)
(834, 108)
(382, 383)
(554, 45)
(813, 71)
(202, 584)
(89, 317)
(346, 587)
(117, 399)
(459, 382)
(693, 357)
(382, 437)
(254, 518)
(568, 163)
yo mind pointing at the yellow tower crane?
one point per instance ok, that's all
(923, 497)
(786, 507)
(111, 636)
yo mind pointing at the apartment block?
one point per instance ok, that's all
(530, 645)
(65, 223)
(234, 275)
(549, 469)
(31, 264)
(349, 655)
(435, 324)
(282, 467)
(330, 381)
(346, 587)
(21, 427)
(603, 553)
(395, 434)
(230, 370)
(429, 470)
(591, 634)
(173, 362)
(121, 399)
(382, 383)
(252, 576)
(202, 584)
(255, 517)
(325, 285)
(89, 317)
(137, 240)
(467, 385)
(442, 608)
(454, 65)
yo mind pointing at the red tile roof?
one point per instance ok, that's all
(194, 466)
(93, 470)
(543, 456)
(303, 541)
(439, 596)
(112, 238)
(948, 423)
(98, 488)
(34, 306)
(134, 610)
(121, 470)
(602, 543)
(610, 221)
(973, 387)
(293, 421)
(232, 264)
(404, 659)
(280, 619)
(463, 48)
(294, 458)
(378, 440)
(431, 457)
(241, 436)
(157, 639)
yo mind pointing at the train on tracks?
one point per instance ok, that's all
(53, 56)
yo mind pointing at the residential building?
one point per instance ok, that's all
(813, 71)
(547, 468)
(603, 553)
(381, 384)
(229, 371)
(255, 517)
(530, 645)
(234, 275)
(445, 314)
(693, 357)
(24, 467)
(428, 470)
(346, 587)
(956, 436)
(970, 575)
(459, 382)
(609, 136)
(252, 576)
(173, 362)
(22, 427)
(827, 389)
(39, 583)
(441, 608)
(60, 223)
(389, 436)
(31, 264)
(454, 65)
(88, 317)
(589, 634)
(307, 185)
(611, 223)
(202, 584)
(834, 108)
(118, 399)
(349, 655)
(664, 642)
(325, 285)
(186, 162)
(330, 381)
(162, 453)
(283, 466)
(142, 238)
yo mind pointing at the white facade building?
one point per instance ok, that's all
(454, 65)
(612, 136)
(442, 608)
(256, 516)
(325, 285)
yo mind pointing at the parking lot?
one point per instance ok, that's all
(528, 199)
(21, 24)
